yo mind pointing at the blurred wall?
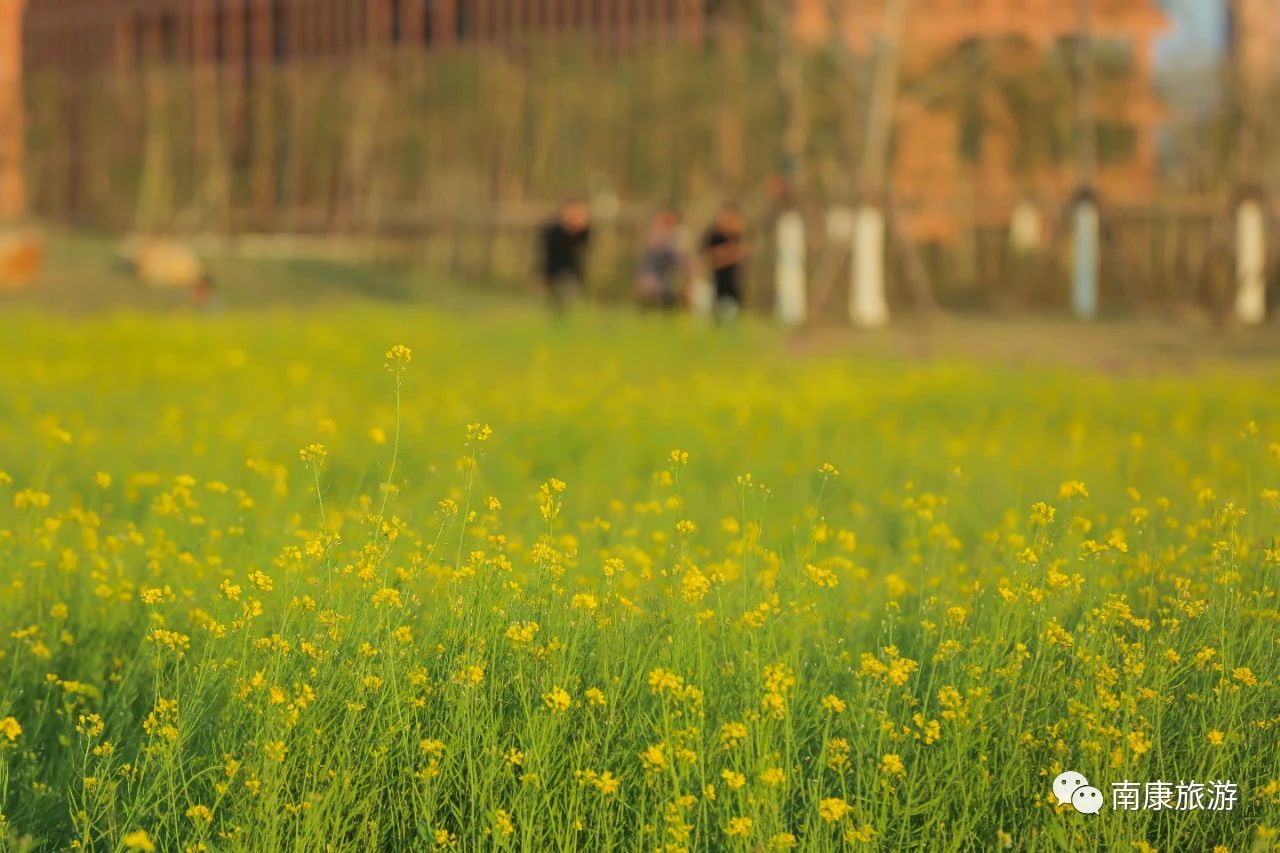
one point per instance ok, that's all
(12, 114)
(1255, 37)
(1016, 59)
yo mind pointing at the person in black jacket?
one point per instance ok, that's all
(563, 243)
(725, 252)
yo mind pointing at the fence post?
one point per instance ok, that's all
(1251, 260)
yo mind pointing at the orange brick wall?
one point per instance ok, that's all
(85, 34)
(933, 184)
(12, 130)
(1257, 33)
(929, 176)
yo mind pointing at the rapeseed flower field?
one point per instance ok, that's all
(398, 581)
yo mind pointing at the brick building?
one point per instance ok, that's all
(91, 33)
(1255, 40)
(12, 191)
(932, 166)
(929, 137)
(74, 39)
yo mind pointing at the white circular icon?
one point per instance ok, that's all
(1087, 799)
(1066, 784)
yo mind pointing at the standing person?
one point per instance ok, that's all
(563, 242)
(663, 264)
(725, 253)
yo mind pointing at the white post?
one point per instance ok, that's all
(1251, 260)
(702, 297)
(789, 269)
(867, 305)
(1084, 284)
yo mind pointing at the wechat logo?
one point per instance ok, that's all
(1071, 787)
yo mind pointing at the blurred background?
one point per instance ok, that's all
(381, 147)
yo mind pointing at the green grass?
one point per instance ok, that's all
(323, 634)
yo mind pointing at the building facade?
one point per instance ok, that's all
(991, 43)
(1254, 34)
(12, 126)
(74, 40)
(84, 34)
(944, 175)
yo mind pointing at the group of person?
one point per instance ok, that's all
(664, 280)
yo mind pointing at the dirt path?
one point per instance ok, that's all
(1128, 345)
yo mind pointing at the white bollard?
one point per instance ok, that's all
(868, 307)
(789, 269)
(1251, 262)
(702, 297)
(1084, 282)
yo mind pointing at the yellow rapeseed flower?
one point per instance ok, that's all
(1245, 676)
(773, 776)
(557, 699)
(398, 357)
(313, 453)
(607, 783)
(891, 765)
(833, 703)
(138, 840)
(200, 813)
(1072, 488)
(833, 809)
